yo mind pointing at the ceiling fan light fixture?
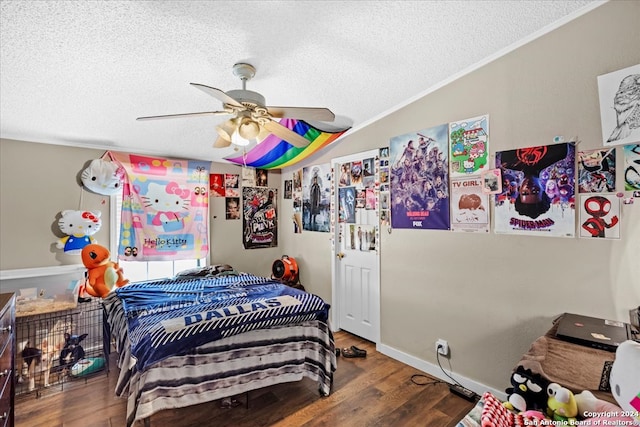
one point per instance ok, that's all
(248, 128)
(238, 139)
(226, 129)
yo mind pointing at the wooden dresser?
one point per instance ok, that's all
(7, 356)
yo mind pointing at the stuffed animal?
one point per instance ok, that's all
(103, 274)
(79, 227)
(529, 391)
(625, 378)
(599, 412)
(561, 404)
(103, 177)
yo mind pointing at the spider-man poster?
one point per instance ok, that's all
(599, 216)
(538, 191)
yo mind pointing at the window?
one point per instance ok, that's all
(137, 271)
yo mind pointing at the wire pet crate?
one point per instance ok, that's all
(56, 347)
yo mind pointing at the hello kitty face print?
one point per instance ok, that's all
(170, 204)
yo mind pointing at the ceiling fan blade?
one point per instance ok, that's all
(173, 116)
(302, 113)
(218, 94)
(286, 134)
(221, 143)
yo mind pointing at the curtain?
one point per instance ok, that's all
(165, 208)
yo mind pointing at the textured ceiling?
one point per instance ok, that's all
(79, 73)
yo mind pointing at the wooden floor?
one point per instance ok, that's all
(371, 391)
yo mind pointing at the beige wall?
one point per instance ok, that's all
(491, 295)
(37, 182)
(488, 295)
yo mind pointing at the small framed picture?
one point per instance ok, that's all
(491, 181)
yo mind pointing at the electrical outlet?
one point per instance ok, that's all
(442, 347)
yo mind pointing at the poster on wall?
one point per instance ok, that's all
(361, 237)
(216, 185)
(597, 170)
(420, 179)
(469, 146)
(232, 207)
(599, 216)
(231, 185)
(632, 167)
(469, 205)
(527, 205)
(297, 201)
(347, 204)
(316, 201)
(165, 208)
(259, 217)
(619, 106)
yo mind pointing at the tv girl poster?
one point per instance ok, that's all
(538, 191)
(419, 166)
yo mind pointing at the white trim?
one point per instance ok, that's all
(24, 273)
(436, 372)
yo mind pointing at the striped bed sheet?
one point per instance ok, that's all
(221, 368)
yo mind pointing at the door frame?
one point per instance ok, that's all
(335, 301)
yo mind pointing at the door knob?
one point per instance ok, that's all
(340, 255)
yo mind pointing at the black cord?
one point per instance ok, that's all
(445, 372)
(433, 382)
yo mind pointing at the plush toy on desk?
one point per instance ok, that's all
(529, 391)
(561, 405)
(103, 274)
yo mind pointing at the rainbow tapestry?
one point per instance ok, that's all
(274, 153)
(165, 208)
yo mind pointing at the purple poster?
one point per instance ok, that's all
(538, 191)
(419, 167)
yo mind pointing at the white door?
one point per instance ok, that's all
(356, 245)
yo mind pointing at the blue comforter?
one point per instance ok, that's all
(168, 317)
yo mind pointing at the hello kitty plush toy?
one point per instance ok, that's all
(79, 226)
(103, 177)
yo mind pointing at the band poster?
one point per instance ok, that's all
(420, 180)
(259, 217)
(469, 205)
(469, 146)
(538, 193)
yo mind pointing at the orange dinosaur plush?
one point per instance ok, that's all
(103, 274)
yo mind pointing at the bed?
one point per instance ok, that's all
(203, 337)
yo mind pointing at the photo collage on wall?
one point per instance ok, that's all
(358, 204)
(232, 196)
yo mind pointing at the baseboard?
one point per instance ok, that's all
(435, 371)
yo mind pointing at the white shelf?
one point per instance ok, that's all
(24, 273)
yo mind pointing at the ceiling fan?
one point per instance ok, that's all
(252, 120)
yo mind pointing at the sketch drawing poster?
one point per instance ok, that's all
(538, 196)
(599, 216)
(316, 197)
(597, 170)
(420, 179)
(620, 106)
(469, 146)
(469, 205)
(632, 167)
(259, 217)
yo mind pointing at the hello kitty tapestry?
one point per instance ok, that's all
(165, 208)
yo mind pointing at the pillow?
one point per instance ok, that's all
(207, 271)
(494, 414)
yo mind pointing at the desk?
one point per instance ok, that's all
(573, 366)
